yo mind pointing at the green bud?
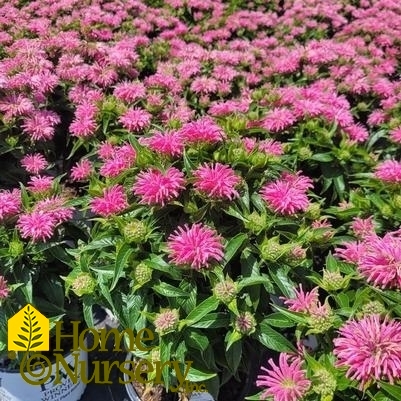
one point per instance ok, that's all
(142, 274)
(321, 319)
(256, 222)
(305, 153)
(225, 291)
(83, 284)
(271, 250)
(166, 321)
(397, 201)
(259, 159)
(135, 232)
(324, 383)
(313, 211)
(372, 308)
(16, 248)
(334, 281)
(12, 141)
(245, 323)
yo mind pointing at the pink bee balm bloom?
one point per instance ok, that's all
(40, 184)
(286, 381)
(395, 135)
(82, 170)
(203, 130)
(380, 260)
(351, 253)
(217, 181)
(363, 227)
(135, 119)
(10, 203)
(370, 348)
(279, 119)
(55, 207)
(158, 188)
(4, 290)
(303, 301)
(197, 246)
(34, 163)
(168, 143)
(37, 225)
(389, 171)
(112, 202)
(287, 195)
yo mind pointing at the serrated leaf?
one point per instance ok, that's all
(208, 305)
(279, 320)
(169, 290)
(233, 246)
(212, 320)
(233, 356)
(393, 390)
(272, 339)
(123, 255)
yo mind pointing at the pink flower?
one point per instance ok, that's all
(112, 202)
(380, 260)
(10, 203)
(286, 381)
(4, 290)
(37, 225)
(287, 195)
(158, 188)
(395, 135)
(129, 91)
(217, 181)
(202, 130)
(82, 170)
(351, 253)
(303, 302)
(363, 227)
(165, 143)
(40, 125)
(40, 184)
(122, 159)
(135, 119)
(34, 163)
(389, 171)
(55, 207)
(197, 246)
(278, 120)
(370, 348)
(106, 151)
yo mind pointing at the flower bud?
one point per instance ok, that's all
(321, 319)
(83, 284)
(271, 250)
(373, 308)
(166, 321)
(225, 291)
(245, 323)
(325, 383)
(16, 248)
(304, 153)
(135, 232)
(334, 281)
(313, 211)
(142, 274)
(256, 222)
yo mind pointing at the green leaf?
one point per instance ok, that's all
(212, 320)
(272, 339)
(165, 353)
(197, 340)
(121, 260)
(393, 390)
(256, 397)
(231, 338)
(196, 376)
(255, 280)
(233, 356)
(277, 319)
(208, 305)
(280, 277)
(169, 290)
(233, 245)
(322, 157)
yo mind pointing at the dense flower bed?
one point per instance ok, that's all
(225, 173)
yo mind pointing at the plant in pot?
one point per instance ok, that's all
(36, 229)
